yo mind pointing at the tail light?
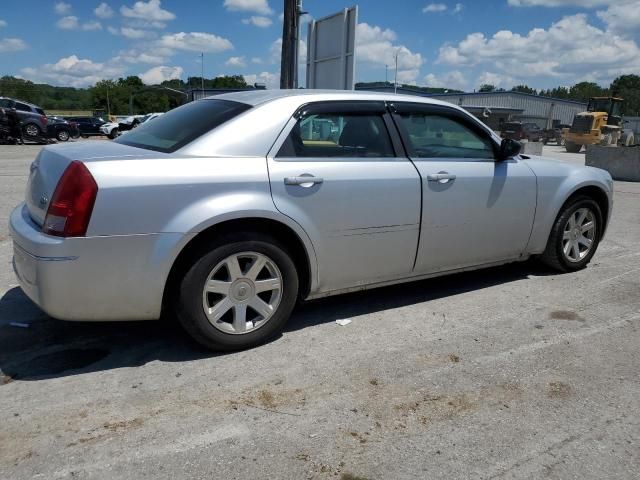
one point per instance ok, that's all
(44, 119)
(72, 203)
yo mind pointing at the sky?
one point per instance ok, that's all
(461, 45)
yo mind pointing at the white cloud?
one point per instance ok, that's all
(153, 56)
(71, 23)
(62, 8)
(495, 79)
(157, 75)
(12, 45)
(93, 25)
(150, 11)
(271, 80)
(454, 79)
(196, 41)
(375, 46)
(570, 49)
(256, 60)
(258, 6)
(458, 8)
(113, 30)
(236, 62)
(622, 17)
(435, 7)
(560, 3)
(3, 23)
(68, 23)
(258, 21)
(134, 33)
(103, 11)
(73, 71)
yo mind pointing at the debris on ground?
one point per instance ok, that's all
(343, 322)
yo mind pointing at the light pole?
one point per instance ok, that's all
(202, 73)
(108, 104)
(395, 80)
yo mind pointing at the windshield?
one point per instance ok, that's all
(599, 105)
(176, 128)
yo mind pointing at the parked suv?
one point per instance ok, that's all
(88, 126)
(521, 131)
(34, 121)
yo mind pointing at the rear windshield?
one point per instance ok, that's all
(511, 126)
(178, 127)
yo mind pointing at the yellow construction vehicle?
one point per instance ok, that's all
(601, 124)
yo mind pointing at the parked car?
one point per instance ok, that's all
(61, 129)
(521, 131)
(88, 126)
(114, 129)
(554, 134)
(34, 121)
(229, 210)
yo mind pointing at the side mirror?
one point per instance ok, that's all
(509, 148)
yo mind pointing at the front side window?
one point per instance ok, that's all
(436, 136)
(338, 135)
(181, 126)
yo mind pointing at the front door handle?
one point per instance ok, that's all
(303, 181)
(441, 177)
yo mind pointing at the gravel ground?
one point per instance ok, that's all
(512, 372)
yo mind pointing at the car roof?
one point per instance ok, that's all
(20, 101)
(257, 97)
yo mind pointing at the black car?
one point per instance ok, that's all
(88, 126)
(521, 131)
(61, 129)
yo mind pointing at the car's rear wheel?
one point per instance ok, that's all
(31, 130)
(63, 136)
(114, 134)
(575, 235)
(238, 293)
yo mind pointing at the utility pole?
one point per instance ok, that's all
(202, 73)
(108, 104)
(289, 62)
(395, 80)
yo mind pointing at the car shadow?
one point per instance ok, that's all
(35, 347)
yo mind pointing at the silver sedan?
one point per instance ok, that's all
(229, 210)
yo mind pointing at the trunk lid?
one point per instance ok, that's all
(51, 162)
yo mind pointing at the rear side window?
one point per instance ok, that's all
(178, 127)
(338, 135)
(436, 136)
(40, 111)
(22, 107)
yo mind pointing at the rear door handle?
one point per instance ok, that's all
(303, 181)
(441, 177)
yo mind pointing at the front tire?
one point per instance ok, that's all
(115, 133)
(572, 147)
(575, 235)
(238, 293)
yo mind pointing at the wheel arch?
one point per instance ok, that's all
(302, 252)
(599, 195)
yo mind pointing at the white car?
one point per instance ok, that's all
(115, 129)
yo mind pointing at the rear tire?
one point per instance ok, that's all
(570, 229)
(572, 147)
(225, 305)
(31, 130)
(63, 136)
(115, 133)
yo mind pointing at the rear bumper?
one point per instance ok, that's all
(94, 278)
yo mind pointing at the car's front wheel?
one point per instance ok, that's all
(115, 133)
(239, 293)
(575, 235)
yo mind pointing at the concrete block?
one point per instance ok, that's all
(623, 163)
(532, 148)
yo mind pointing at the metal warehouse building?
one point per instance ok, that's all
(506, 106)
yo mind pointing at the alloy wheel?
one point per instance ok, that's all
(242, 292)
(579, 235)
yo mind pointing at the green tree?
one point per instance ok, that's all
(524, 89)
(628, 87)
(583, 91)
(486, 87)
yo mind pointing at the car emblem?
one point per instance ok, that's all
(43, 200)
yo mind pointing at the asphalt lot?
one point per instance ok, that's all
(512, 372)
